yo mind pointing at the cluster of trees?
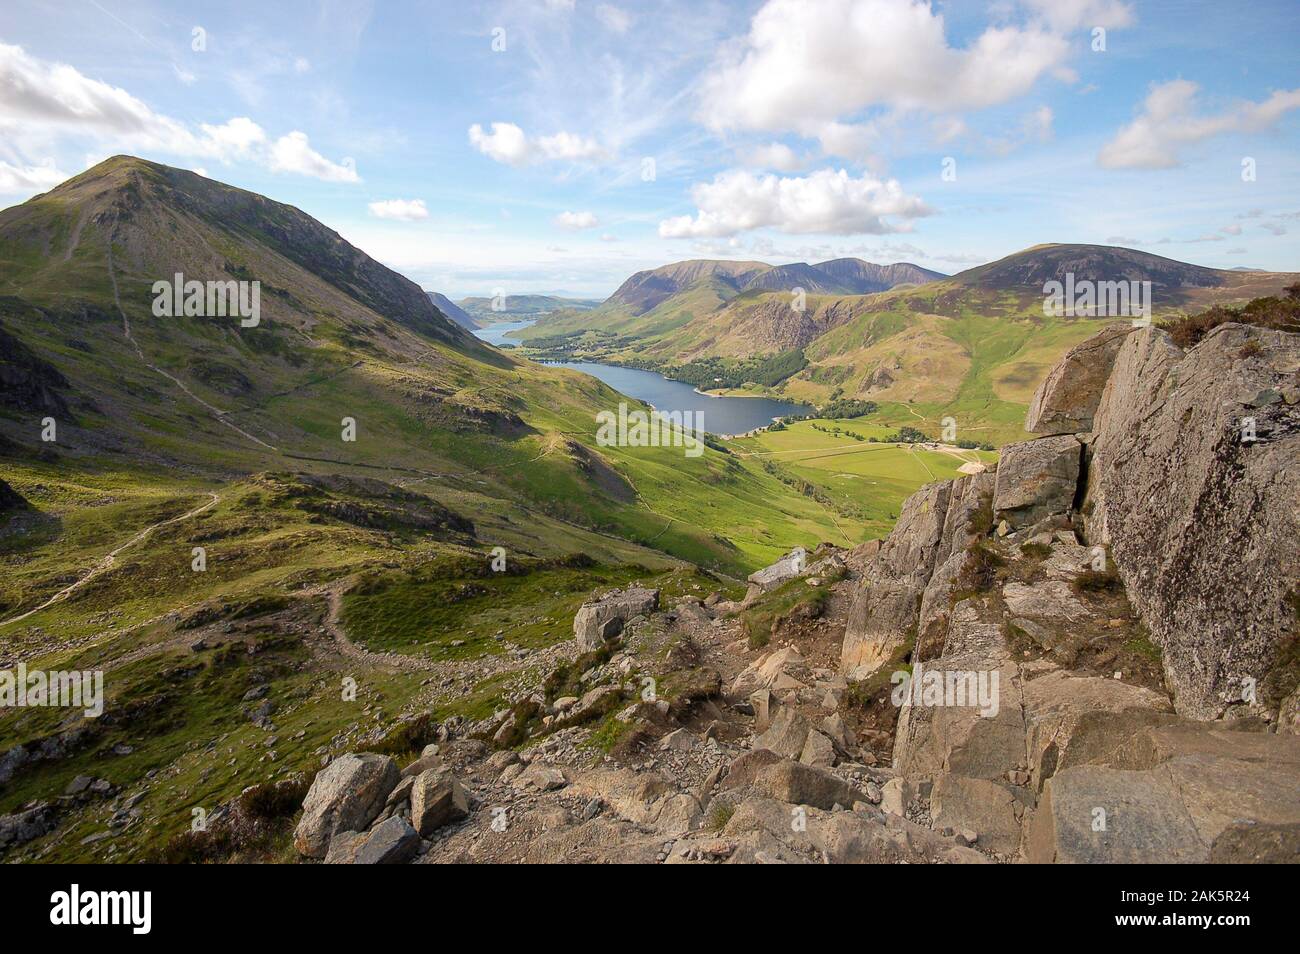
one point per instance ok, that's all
(707, 373)
(845, 408)
(905, 435)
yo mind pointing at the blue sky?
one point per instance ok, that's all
(560, 145)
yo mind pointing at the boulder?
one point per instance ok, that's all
(795, 784)
(1036, 479)
(540, 777)
(1051, 601)
(1071, 719)
(1168, 793)
(646, 798)
(818, 749)
(391, 842)
(1097, 815)
(22, 827)
(787, 735)
(774, 670)
(437, 799)
(761, 701)
(601, 620)
(963, 740)
(1067, 398)
(346, 795)
(786, 568)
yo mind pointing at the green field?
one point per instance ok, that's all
(874, 477)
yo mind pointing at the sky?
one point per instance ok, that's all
(558, 146)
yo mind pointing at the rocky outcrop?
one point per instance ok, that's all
(28, 382)
(602, 620)
(906, 588)
(1148, 490)
(1067, 399)
(10, 499)
(1194, 474)
(346, 796)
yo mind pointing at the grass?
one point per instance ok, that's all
(792, 600)
(867, 481)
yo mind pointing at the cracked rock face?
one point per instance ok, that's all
(1203, 524)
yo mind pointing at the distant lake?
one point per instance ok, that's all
(720, 415)
(496, 334)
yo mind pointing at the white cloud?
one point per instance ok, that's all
(613, 18)
(607, 237)
(822, 202)
(576, 220)
(565, 145)
(404, 210)
(236, 138)
(39, 98)
(803, 66)
(509, 144)
(1170, 120)
(505, 143)
(28, 180)
(293, 153)
(848, 140)
(774, 155)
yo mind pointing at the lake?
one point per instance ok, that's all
(496, 334)
(720, 415)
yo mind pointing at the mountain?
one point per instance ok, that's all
(451, 310)
(665, 308)
(842, 276)
(1035, 266)
(859, 277)
(648, 289)
(340, 338)
(230, 513)
(515, 307)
